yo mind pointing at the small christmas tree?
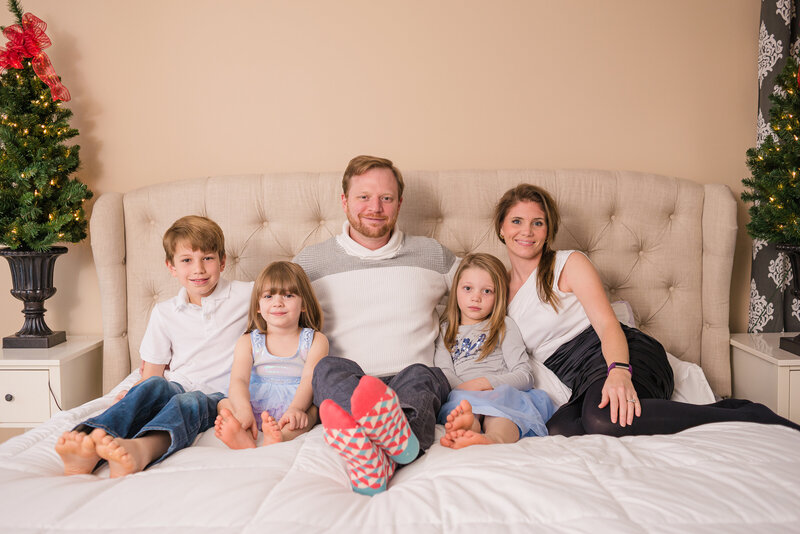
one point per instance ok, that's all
(39, 203)
(774, 187)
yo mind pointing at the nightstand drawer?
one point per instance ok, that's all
(24, 396)
(763, 372)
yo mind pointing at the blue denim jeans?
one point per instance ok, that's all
(420, 389)
(158, 405)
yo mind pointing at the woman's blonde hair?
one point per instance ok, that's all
(545, 273)
(280, 278)
(497, 318)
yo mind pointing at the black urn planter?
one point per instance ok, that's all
(792, 344)
(32, 283)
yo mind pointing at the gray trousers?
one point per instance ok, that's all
(421, 390)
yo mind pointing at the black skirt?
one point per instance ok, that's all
(579, 363)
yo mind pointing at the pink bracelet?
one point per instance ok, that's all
(622, 365)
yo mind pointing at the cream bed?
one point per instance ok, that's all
(664, 245)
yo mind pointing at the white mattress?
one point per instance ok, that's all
(725, 477)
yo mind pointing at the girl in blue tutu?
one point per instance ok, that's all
(273, 362)
(482, 354)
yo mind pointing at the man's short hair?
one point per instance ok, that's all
(361, 164)
(200, 233)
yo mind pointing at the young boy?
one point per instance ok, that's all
(194, 333)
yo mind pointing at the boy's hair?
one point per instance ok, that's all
(545, 273)
(200, 233)
(361, 164)
(497, 318)
(279, 278)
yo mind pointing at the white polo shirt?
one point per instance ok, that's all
(197, 341)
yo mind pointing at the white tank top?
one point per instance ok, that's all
(544, 330)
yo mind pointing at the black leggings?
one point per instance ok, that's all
(659, 416)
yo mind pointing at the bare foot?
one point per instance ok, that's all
(77, 451)
(229, 430)
(124, 456)
(460, 418)
(272, 434)
(458, 439)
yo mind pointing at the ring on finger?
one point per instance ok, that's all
(633, 400)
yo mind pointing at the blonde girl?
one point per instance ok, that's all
(273, 362)
(481, 352)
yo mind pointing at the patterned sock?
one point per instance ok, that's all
(368, 466)
(376, 408)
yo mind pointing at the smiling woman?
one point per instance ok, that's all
(620, 378)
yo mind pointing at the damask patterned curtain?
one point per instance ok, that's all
(772, 306)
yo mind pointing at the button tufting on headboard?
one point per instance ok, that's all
(621, 218)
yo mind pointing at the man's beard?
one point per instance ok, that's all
(371, 231)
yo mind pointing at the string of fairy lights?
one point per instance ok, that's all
(773, 187)
(36, 138)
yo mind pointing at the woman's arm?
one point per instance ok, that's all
(581, 278)
(296, 416)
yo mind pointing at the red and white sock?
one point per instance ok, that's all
(368, 466)
(376, 408)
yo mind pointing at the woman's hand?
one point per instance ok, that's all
(476, 384)
(619, 393)
(294, 418)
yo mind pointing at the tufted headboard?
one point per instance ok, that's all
(663, 244)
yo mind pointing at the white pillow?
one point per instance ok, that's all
(690, 383)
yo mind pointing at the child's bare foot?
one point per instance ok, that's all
(272, 434)
(229, 430)
(124, 456)
(78, 452)
(461, 418)
(458, 439)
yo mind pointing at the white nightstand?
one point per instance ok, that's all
(763, 372)
(37, 383)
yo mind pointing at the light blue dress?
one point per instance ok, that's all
(508, 370)
(529, 409)
(274, 379)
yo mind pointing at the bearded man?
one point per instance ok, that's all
(378, 289)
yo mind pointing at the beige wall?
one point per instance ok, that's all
(171, 89)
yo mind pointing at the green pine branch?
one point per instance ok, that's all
(774, 185)
(16, 8)
(41, 203)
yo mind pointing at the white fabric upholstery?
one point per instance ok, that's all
(663, 244)
(722, 477)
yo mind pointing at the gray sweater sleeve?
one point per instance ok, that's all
(444, 361)
(519, 375)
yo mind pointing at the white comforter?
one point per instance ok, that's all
(725, 477)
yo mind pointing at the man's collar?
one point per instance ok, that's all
(389, 250)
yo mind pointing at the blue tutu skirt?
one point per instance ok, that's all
(529, 410)
(271, 394)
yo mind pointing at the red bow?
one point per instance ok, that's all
(28, 40)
